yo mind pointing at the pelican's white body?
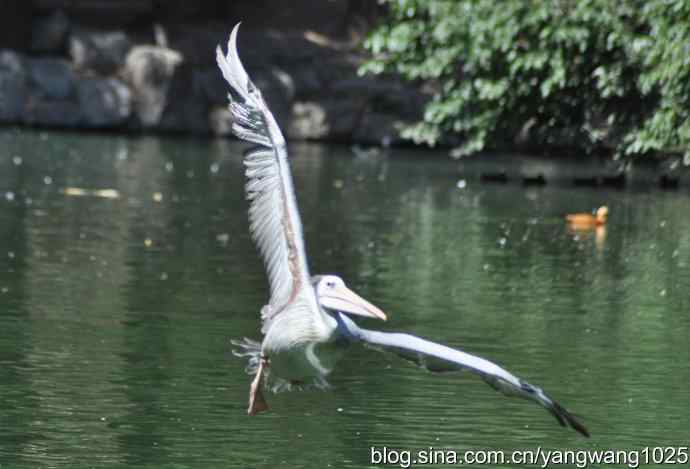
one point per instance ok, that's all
(303, 340)
(301, 347)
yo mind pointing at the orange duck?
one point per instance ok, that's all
(587, 221)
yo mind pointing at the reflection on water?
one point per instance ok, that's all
(116, 312)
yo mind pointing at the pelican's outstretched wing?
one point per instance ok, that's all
(420, 351)
(274, 220)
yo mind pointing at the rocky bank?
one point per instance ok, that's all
(125, 66)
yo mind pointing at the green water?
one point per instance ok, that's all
(117, 308)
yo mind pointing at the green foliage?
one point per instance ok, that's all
(588, 73)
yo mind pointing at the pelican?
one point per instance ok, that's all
(306, 323)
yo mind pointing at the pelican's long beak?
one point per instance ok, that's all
(341, 298)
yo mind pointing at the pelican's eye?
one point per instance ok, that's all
(330, 284)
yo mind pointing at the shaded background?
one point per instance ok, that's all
(146, 65)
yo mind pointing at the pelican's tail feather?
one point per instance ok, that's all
(250, 349)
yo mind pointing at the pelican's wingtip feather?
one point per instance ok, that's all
(562, 414)
(234, 60)
(232, 40)
(232, 69)
(559, 412)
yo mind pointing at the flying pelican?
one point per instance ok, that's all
(306, 324)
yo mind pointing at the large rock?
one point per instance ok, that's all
(149, 71)
(101, 51)
(51, 78)
(196, 92)
(379, 129)
(386, 95)
(307, 80)
(328, 119)
(211, 84)
(53, 113)
(13, 86)
(390, 106)
(220, 121)
(49, 33)
(309, 121)
(104, 102)
(368, 86)
(186, 110)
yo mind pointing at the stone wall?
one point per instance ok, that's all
(132, 66)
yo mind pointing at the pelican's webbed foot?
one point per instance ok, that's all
(257, 403)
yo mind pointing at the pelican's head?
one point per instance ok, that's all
(602, 214)
(332, 294)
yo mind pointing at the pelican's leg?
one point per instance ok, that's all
(257, 403)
